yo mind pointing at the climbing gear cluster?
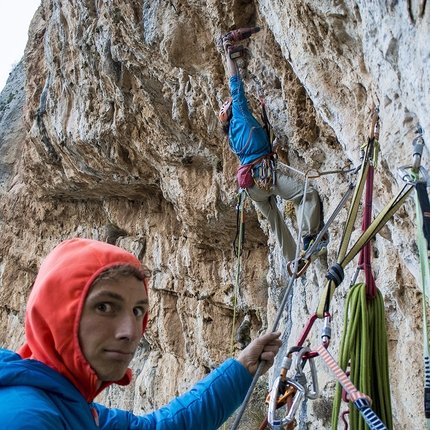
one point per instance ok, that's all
(362, 372)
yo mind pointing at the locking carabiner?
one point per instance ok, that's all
(294, 389)
(311, 391)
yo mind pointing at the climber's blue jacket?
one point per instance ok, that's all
(34, 396)
(248, 139)
(49, 385)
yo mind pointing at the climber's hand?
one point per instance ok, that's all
(226, 43)
(264, 349)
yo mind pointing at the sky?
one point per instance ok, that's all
(15, 18)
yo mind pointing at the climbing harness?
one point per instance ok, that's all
(261, 172)
(264, 172)
(420, 178)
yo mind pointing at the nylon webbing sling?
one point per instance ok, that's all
(349, 226)
(361, 401)
(336, 273)
(421, 200)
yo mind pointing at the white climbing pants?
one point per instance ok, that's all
(288, 189)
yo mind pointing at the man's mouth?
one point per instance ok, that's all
(120, 354)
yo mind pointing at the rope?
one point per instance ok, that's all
(364, 345)
(238, 243)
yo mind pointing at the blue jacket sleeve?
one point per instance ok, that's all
(206, 406)
(247, 137)
(240, 108)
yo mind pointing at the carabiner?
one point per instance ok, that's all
(312, 391)
(278, 424)
(406, 177)
(301, 268)
(326, 331)
(418, 144)
(315, 175)
(289, 390)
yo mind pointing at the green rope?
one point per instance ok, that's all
(364, 346)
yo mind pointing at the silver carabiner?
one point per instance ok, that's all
(418, 144)
(278, 424)
(312, 391)
(406, 177)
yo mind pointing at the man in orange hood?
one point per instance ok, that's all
(85, 317)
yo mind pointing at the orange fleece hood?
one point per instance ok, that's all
(55, 304)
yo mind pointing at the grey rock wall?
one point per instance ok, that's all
(121, 142)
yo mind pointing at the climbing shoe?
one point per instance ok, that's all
(319, 250)
(307, 242)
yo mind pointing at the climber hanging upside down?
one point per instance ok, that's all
(258, 174)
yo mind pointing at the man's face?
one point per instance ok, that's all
(111, 325)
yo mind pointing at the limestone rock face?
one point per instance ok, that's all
(118, 140)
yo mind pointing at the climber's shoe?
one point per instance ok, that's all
(319, 250)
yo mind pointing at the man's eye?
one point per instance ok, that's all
(139, 312)
(104, 307)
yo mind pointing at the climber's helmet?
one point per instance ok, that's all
(225, 111)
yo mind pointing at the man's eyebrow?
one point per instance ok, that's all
(116, 296)
(143, 302)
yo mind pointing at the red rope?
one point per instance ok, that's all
(366, 253)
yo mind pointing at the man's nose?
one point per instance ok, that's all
(128, 327)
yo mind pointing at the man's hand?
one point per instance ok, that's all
(263, 348)
(226, 43)
(231, 65)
